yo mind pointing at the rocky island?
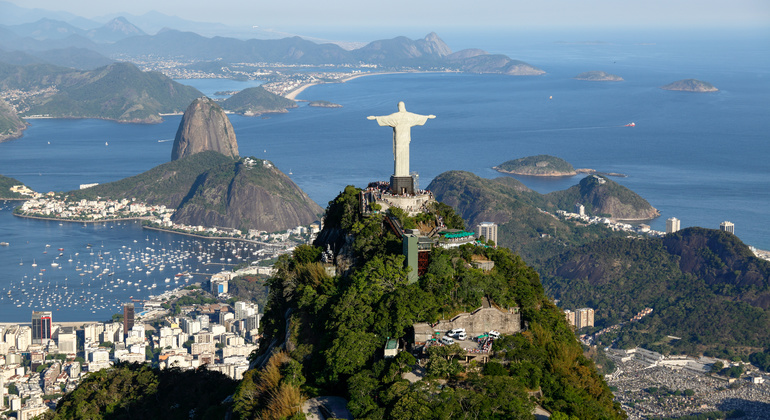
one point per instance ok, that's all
(324, 104)
(598, 76)
(690, 85)
(257, 101)
(540, 165)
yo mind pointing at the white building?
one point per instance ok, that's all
(672, 225)
(580, 209)
(584, 317)
(727, 227)
(489, 231)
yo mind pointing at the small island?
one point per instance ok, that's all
(324, 104)
(540, 165)
(257, 101)
(690, 85)
(598, 76)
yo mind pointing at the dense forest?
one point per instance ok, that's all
(138, 391)
(705, 286)
(331, 330)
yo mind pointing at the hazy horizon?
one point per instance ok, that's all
(348, 20)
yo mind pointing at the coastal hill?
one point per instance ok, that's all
(523, 227)
(326, 333)
(11, 126)
(256, 101)
(540, 165)
(690, 85)
(598, 76)
(119, 91)
(510, 204)
(602, 196)
(477, 61)
(5, 188)
(204, 126)
(211, 189)
(705, 286)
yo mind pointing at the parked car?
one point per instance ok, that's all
(494, 334)
(447, 340)
(461, 336)
(455, 331)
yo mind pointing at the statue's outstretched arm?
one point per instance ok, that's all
(371, 117)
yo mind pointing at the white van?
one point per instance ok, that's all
(454, 332)
(461, 336)
(447, 340)
(494, 335)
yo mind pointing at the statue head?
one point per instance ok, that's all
(401, 106)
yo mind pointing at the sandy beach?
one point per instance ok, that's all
(293, 94)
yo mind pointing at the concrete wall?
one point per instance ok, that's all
(476, 323)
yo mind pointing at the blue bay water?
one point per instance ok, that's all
(702, 158)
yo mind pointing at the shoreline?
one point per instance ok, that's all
(293, 94)
(54, 219)
(220, 238)
(564, 174)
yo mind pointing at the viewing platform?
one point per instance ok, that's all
(378, 198)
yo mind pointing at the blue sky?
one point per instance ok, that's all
(330, 14)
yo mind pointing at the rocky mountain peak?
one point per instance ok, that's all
(434, 45)
(204, 126)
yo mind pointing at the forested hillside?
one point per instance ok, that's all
(704, 285)
(332, 329)
(119, 91)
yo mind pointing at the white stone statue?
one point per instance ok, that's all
(402, 122)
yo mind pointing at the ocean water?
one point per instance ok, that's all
(703, 158)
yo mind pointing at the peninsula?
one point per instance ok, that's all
(690, 85)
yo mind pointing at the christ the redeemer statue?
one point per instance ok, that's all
(402, 122)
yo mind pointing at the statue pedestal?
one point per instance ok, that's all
(401, 185)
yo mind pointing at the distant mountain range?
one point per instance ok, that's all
(121, 38)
